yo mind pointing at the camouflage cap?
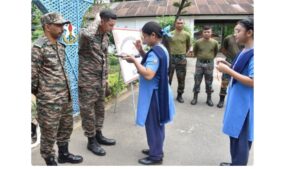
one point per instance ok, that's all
(53, 18)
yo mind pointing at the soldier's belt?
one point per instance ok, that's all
(205, 60)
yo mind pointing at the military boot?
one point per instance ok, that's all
(194, 101)
(65, 157)
(179, 98)
(209, 101)
(94, 147)
(50, 161)
(103, 140)
(221, 102)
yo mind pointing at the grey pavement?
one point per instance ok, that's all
(194, 137)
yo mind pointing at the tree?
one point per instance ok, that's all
(183, 4)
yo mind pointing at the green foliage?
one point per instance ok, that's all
(116, 83)
(165, 20)
(35, 22)
(228, 29)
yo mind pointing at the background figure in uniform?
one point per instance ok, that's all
(34, 123)
(93, 79)
(180, 44)
(239, 113)
(230, 49)
(49, 83)
(155, 103)
(205, 49)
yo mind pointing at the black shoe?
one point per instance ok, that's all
(194, 101)
(146, 152)
(209, 101)
(179, 98)
(103, 140)
(221, 102)
(225, 164)
(94, 147)
(50, 161)
(64, 156)
(147, 161)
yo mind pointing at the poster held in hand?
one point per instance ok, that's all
(124, 40)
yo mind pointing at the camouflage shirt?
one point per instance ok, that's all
(93, 66)
(49, 80)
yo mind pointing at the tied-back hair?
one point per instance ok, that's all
(247, 23)
(154, 27)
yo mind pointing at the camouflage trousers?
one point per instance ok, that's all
(224, 84)
(206, 70)
(178, 63)
(56, 124)
(225, 80)
(92, 110)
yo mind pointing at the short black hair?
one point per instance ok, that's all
(152, 27)
(179, 19)
(107, 14)
(206, 27)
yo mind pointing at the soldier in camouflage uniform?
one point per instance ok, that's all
(180, 44)
(230, 49)
(93, 78)
(205, 49)
(49, 83)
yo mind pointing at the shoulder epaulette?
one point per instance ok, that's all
(39, 42)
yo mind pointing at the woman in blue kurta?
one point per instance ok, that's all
(155, 103)
(238, 115)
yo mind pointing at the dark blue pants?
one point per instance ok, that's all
(155, 132)
(240, 147)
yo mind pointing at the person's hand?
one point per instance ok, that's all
(138, 45)
(129, 58)
(222, 67)
(222, 60)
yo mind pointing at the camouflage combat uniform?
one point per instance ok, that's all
(51, 88)
(93, 74)
(232, 49)
(179, 45)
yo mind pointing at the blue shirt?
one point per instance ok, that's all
(146, 88)
(240, 102)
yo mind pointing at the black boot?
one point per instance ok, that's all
(209, 101)
(33, 133)
(65, 157)
(94, 147)
(221, 102)
(50, 161)
(103, 140)
(194, 101)
(179, 98)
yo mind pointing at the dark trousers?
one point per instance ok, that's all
(155, 132)
(240, 147)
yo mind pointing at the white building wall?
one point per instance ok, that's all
(138, 23)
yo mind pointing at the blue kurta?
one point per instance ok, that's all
(239, 103)
(146, 88)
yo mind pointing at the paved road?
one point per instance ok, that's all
(193, 138)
